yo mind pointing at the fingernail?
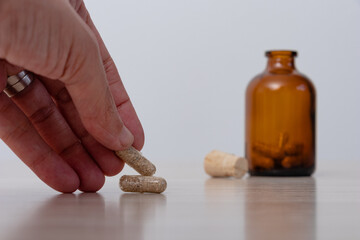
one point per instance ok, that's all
(126, 138)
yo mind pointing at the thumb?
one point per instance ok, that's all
(50, 39)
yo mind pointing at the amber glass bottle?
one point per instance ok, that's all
(280, 120)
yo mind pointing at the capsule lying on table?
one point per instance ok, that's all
(137, 183)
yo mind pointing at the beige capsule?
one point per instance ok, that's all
(221, 164)
(137, 161)
(137, 183)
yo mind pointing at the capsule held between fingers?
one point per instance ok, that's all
(137, 161)
(137, 183)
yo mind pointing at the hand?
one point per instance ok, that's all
(66, 123)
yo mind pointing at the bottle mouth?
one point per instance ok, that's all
(288, 53)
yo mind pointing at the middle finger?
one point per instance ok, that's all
(106, 159)
(38, 106)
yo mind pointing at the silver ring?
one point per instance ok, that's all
(17, 83)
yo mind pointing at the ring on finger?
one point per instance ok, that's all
(17, 83)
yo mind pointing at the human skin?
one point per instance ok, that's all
(66, 124)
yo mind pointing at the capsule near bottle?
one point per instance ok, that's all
(280, 119)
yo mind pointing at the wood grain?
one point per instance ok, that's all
(325, 206)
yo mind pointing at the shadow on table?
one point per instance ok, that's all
(88, 216)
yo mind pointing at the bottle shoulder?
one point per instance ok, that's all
(275, 81)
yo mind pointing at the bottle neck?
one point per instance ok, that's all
(280, 62)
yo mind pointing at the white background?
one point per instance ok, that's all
(186, 65)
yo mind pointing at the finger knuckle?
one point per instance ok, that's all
(73, 148)
(42, 114)
(16, 132)
(80, 58)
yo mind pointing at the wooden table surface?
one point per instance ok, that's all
(325, 206)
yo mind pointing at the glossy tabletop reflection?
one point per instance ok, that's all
(325, 206)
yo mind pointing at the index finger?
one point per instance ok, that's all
(87, 84)
(121, 98)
